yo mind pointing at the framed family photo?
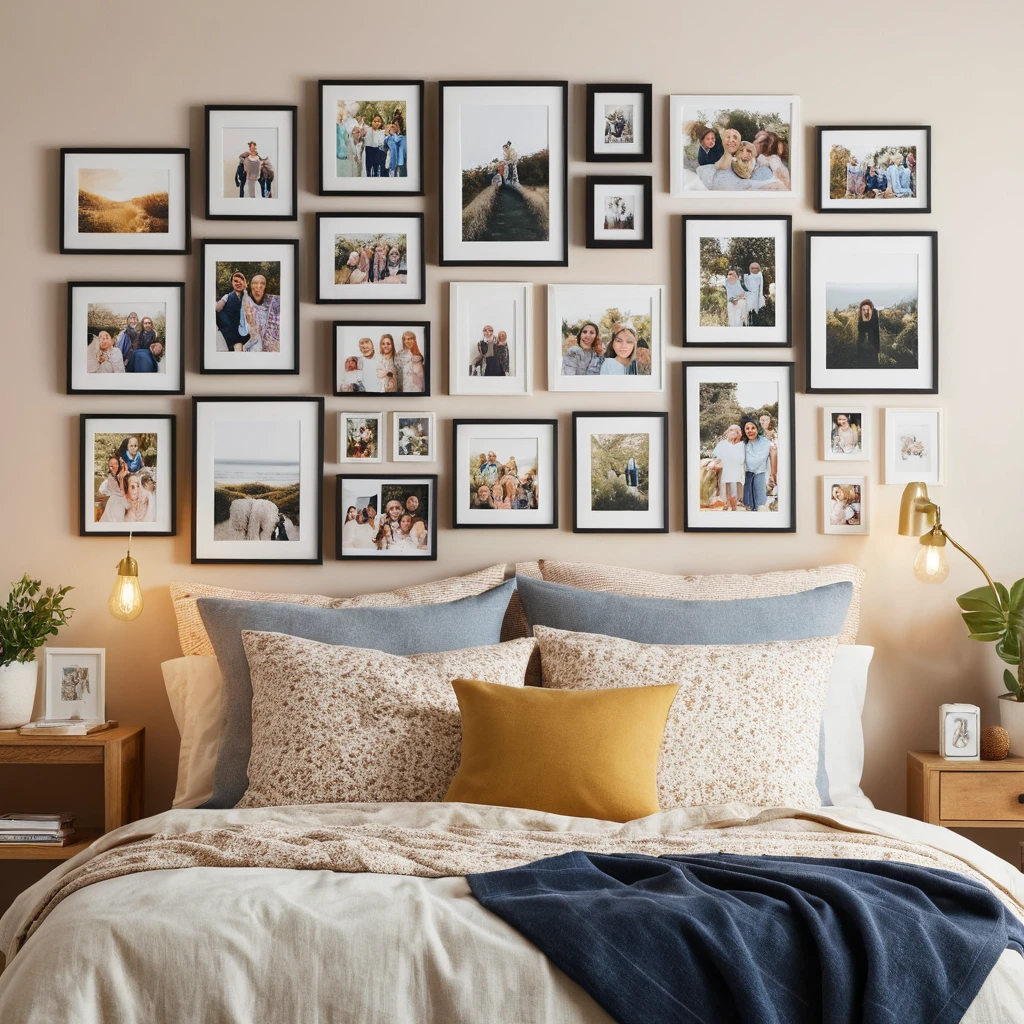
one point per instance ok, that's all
(874, 169)
(506, 474)
(619, 119)
(127, 482)
(257, 480)
(381, 357)
(371, 137)
(414, 437)
(872, 312)
(489, 339)
(249, 306)
(737, 281)
(914, 446)
(360, 437)
(250, 163)
(740, 147)
(74, 684)
(128, 202)
(504, 174)
(739, 454)
(392, 517)
(605, 337)
(846, 434)
(845, 505)
(620, 472)
(619, 214)
(370, 257)
(126, 338)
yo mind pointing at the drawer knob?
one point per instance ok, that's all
(1020, 798)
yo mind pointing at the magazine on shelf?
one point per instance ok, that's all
(22, 821)
(36, 838)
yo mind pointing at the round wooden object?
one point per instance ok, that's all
(995, 743)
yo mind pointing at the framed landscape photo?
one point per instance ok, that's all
(738, 281)
(370, 257)
(250, 163)
(126, 338)
(249, 306)
(739, 449)
(619, 119)
(620, 472)
(414, 437)
(381, 357)
(74, 684)
(257, 480)
(741, 147)
(127, 480)
(128, 202)
(360, 437)
(391, 517)
(619, 214)
(874, 169)
(506, 474)
(371, 137)
(605, 337)
(872, 312)
(846, 434)
(489, 339)
(845, 505)
(504, 174)
(914, 446)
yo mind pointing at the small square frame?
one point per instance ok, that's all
(56, 659)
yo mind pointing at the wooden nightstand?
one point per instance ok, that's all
(965, 794)
(121, 751)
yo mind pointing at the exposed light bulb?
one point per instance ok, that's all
(126, 597)
(931, 565)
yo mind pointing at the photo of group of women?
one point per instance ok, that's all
(380, 359)
(386, 517)
(370, 259)
(126, 338)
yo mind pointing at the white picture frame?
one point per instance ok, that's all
(915, 446)
(355, 422)
(960, 732)
(61, 685)
(849, 441)
(580, 304)
(846, 514)
(475, 306)
(413, 437)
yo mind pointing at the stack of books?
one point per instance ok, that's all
(37, 829)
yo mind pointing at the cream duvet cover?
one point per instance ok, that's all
(360, 913)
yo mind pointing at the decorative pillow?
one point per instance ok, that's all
(194, 640)
(638, 583)
(343, 724)
(469, 622)
(587, 753)
(194, 688)
(744, 725)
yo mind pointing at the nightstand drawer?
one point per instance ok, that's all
(981, 796)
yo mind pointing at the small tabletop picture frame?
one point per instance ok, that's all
(74, 686)
(619, 120)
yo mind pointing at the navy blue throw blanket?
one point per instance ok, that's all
(776, 940)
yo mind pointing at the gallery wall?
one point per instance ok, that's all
(118, 74)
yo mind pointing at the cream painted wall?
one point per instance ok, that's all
(138, 74)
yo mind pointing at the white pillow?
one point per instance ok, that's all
(194, 687)
(844, 735)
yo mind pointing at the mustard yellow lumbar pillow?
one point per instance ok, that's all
(585, 753)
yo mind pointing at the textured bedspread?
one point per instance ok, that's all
(377, 923)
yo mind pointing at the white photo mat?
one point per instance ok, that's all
(920, 427)
(840, 530)
(92, 704)
(475, 305)
(343, 419)
(397, 419)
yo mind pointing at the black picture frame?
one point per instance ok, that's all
(293, 319)
(85, 467)
(179, 153)
(552, 425)
(423, 325)
(280, 108)
(933, 386)
(375, 299)
(179, 362)
(561, 261)
(787, 342)
(644, 157)
(325, 83)
(317, 504)
(689, 527)
(870, 207)
(619, 414)
(645, 180)
(430, 478)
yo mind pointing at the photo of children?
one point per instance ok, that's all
(371, 139)
(503, 473)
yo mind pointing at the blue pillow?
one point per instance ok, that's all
(422, 629)
(660, 620)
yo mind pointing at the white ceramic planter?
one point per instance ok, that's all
(17, 693)
(1011, 718)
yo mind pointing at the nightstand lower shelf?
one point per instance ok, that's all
(23, 851)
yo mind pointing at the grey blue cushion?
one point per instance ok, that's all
(423, 629)
(658, 620)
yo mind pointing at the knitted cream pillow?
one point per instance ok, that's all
(744, 725)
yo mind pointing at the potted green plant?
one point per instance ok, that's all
(996, 615)
(29, 617)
